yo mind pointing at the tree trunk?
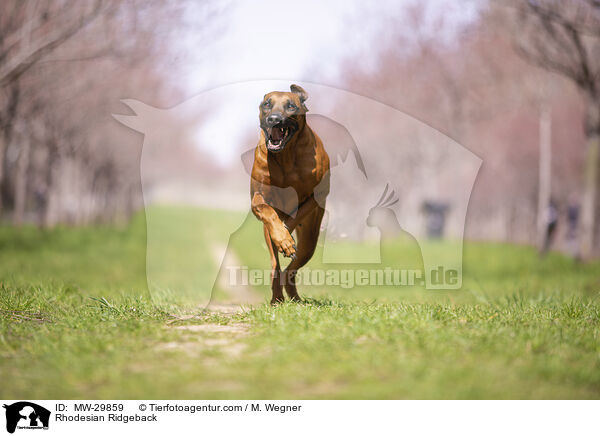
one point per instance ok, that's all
(21, 182)
(48, 219)
(588, 207)
(6, 130)
(2, 151)
(545, 174)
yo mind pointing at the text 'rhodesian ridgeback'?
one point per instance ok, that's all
(290, 181)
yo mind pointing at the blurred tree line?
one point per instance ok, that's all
(519, 87)
(63, 65)
(564, 38)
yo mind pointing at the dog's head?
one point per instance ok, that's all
(282, 115)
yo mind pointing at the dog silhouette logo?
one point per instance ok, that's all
(26, 415)
(370, 145)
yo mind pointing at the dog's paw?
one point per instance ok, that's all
(288, 247)
(284, 242)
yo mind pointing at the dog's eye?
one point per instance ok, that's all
(291, 106)
(266, 104)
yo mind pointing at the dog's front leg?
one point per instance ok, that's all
(276, 284)
(281, 237)
(305, 208)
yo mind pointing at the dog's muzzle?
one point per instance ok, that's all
(278, 131)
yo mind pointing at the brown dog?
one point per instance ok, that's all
(288, 155)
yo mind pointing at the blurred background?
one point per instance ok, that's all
(113, 239)
(515, 82)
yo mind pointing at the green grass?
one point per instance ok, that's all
(77, 321)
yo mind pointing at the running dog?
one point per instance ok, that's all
(289, 154)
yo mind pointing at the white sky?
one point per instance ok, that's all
(302, 41)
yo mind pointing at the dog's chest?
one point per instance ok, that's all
(300, 177)
(292, 178)
(297, 182)
(296, 172)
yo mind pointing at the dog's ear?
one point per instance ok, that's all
(301, 93)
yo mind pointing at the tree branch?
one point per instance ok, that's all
(21, 62)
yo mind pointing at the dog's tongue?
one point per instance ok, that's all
(277, 134)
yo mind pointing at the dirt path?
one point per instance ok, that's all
(194, 339)
(197, 334)
(237, 294)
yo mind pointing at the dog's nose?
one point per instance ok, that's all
(274, 119)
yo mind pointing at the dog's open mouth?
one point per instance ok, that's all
(277, 137)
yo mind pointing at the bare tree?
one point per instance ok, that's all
(64, 66)
(33, 29)
(8, 110)
(29, 31)
(564, 37)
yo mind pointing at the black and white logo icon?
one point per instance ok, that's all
(26, 415)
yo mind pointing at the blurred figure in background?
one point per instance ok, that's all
(551, 224)
(572, 223)
(435, 216)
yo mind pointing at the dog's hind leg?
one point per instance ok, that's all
(307, 235)
(276, 287)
